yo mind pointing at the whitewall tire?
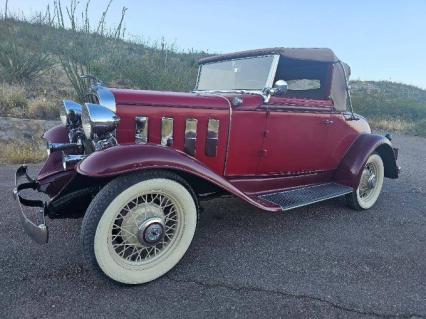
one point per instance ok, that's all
(139, 226)
(370, 185)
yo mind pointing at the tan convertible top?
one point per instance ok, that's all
(308, 54)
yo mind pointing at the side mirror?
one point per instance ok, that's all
(280, 88)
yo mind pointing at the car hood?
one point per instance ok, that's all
(182, 99)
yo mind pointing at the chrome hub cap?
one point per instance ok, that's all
(372, 181)
(368, 181)
(144, 228)
(151, 231)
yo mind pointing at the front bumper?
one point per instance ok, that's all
(37, 231)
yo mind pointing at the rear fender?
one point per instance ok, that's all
(350, 169)
(124, 159)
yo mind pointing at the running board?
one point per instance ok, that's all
(303, 196)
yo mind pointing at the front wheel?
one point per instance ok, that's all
(139, 226)
(370, 184)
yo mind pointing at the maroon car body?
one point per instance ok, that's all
(261, 145)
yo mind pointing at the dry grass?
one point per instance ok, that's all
(22, 152)
(38, 101)
(13, 100)
(43, 108)
(396, 125)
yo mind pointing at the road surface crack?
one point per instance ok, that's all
(296, 296)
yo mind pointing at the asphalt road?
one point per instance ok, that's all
(320, 261)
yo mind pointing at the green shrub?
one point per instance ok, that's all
(20, 65)
(380, 106)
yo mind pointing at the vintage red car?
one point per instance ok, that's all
(274, 127)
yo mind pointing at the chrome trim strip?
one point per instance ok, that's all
(167, 131)
(106, 97)
(212, 139)
(295, 108)
(141, 133)
(241, 58)
(68, 160)
(228, 138)
(198, 78)
(190, 136)
(272, 71)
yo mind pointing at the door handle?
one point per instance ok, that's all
(327, 122)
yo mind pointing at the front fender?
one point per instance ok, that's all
(350, 169)
(52, 178)
(53, 164)
(123, 159)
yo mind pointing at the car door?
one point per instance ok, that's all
(295, 139)
(245, 141)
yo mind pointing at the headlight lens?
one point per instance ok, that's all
(97, 119)
(70, 114)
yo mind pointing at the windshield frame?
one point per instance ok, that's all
(269, 82)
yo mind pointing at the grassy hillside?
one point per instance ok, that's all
(391, 90)
(390, 105)
(40, 63)
(40, 60)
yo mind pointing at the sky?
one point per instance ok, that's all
(380, 40)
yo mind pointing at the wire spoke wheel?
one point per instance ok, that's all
(136, 241)
(368, 180)
(371, 182)
(139, 226)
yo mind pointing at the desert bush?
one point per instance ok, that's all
(17, 63)
(87, 44)
(154, 71)
(43, 108)
(13, 101)
(19, 66)
(420, 128)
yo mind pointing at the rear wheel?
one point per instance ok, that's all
(139, 226)
(370, 184)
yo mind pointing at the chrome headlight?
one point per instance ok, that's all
(98, 120)
(70, 114)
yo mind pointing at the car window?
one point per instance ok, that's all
(303, 84)
(305, 79)
(238, 74)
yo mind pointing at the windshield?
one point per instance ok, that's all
(240, 74)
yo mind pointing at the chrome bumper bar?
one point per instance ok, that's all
(38, 232)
